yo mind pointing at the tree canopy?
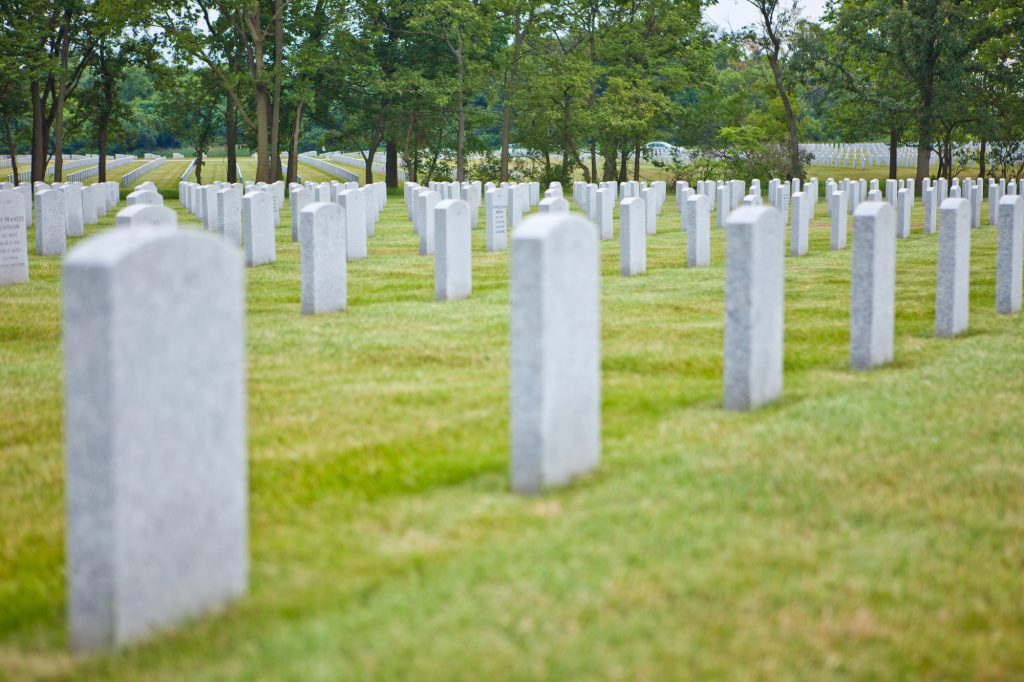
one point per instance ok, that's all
(507, 88)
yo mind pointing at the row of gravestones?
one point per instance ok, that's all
(150, 542)
(244, 215)
(58, 211)
(332, 221)
(860, 155)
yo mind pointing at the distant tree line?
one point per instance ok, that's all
(451, 88)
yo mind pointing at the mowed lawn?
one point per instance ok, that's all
(867, 526)
(216, 169)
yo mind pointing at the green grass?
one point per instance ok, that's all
(216, 169)
(867, 526)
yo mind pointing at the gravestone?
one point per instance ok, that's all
(534, 193)
(146, 215)
(1010, 255)
(698, 231)
(211, 210)
(323, 192)
(952, 296)
(26, 195)
(425, 203)
(994, 197)
(229, 215)
(838, 236)
(930, 214)
(554, 204)
(322, 262)
(514, 200)
(13, 239)
(496, 219)
(555, 352)
(353, 206)
(156, 465)
(453, 262)
(75, 226)
(632, 237)
(298, 199)
(90, 212)
(782, 195)
(258, 228)
(99, 197)
(650, 200)
(417, 218)
(902, 214)
(873, 285)
(753, 307)
(798, 229)
(722, 199)
(144, 196)
(51, 223)
(977, 193)
(369, 195)
(605, 204)
(891, 189)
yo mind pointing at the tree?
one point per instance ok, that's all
(190, 105)
(772, 38)
(52, 43)
(99, 103)
(251, 35)
(461, 27)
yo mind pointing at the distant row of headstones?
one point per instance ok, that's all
(155, 366)
(861, 155)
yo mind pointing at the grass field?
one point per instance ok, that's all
(216, 169)
(867, 526)
(115, 174)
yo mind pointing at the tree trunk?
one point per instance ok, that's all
(293, 147)
(894, 141)
(506, 128)
(12, 149)
(593, 160)
(262, 152)
(624, 166)
(40, 133)
(795, 167)
(510, 87)
(58, 137)
(368, 166)
(391, 164)
(102, 172)
(58, 131)
(407, 156)
(109, 97)
(925, 129)
(460, 159)
(609, 163)
(949, 154)
(981, 158)
(924, 157)
(231, 139)
(592, 40)
(636, 162)
(275, 114)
